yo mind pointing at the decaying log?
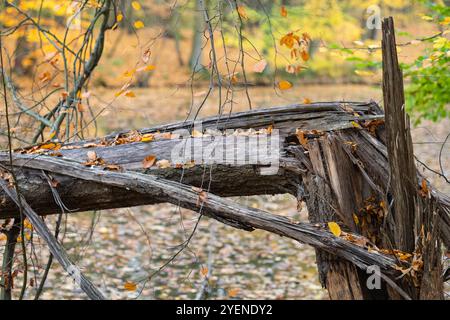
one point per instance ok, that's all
(228, 180)
(349, 154)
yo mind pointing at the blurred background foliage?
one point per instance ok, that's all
(342, 50)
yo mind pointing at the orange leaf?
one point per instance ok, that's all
(233, 292)
(50, 146)
(284, 85)
(242, 12)
(149, 161)
(130, 94)
(305, 55)
(130, 286)
(204, 271)
(283, 11)
(302, 138)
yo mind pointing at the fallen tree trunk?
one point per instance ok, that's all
(228, 179)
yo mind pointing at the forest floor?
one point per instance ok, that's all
(117, 246)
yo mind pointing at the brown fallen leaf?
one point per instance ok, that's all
(148, 161)
(204, 271)
(202, 197)
(113, 167)
(90, 145)
(301, 138)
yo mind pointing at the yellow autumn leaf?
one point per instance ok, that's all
(2, 237)
(307, 101)
(136, 5)
(334, 228)
(427, 18)
(50, 146)
(356, 125)
(138, 24)
(147, 137)
(119, 17)
(27, 224)
(129, 73)
(365, 73)
(130, 286)
(284, 85)
(356, 219)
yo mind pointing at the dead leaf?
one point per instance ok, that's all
(163, 164)
(305, 55)
(233, 292)
(302, 138)
(242, 12)
(112, 167)
(283, 12)
(424, 192)
(139, 24)
(204, 271)
(148, 161)
(334, 228)
(130, 286)
(147, 137)
(284, 85)
(197, 189)
(202, 196)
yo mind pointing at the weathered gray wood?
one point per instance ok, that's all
(228, 180)
(415, 216)
(403, 173)
(223, 210)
